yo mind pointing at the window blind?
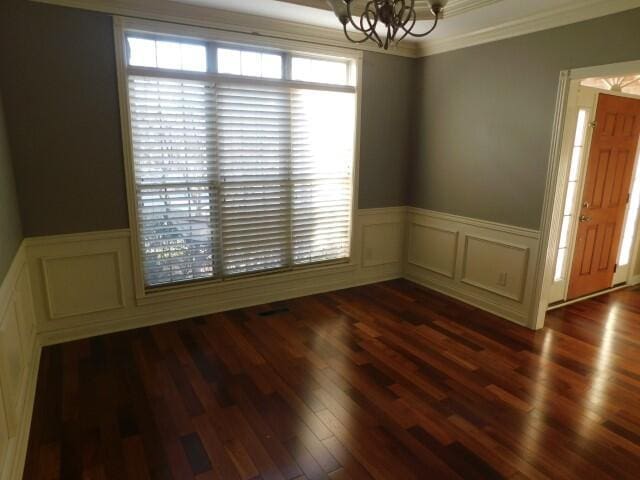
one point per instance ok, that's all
(285, 166)
(255, 146)
(239, 177)
(321, 174)
(174, 150)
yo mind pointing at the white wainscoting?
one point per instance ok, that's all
(19, 361)
(83, 284)
(486, 264)
(66, 287)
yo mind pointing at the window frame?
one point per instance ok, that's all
(124, 26)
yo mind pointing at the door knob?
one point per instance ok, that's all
(584, 218)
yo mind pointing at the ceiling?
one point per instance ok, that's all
(466, 22)
(463, 18)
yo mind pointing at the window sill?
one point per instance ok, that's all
(231, 285)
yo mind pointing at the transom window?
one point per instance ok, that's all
(252, 64)
(242, 157)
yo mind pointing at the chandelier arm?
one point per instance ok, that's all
(433, 27)
(346, 34)
(386, 40)
(398, 16)
(366, 15)
(413, 17)
(410, 10)
(372, 25)
(398, 9)
(350, 14)
(367, 32)
(401, 12)
(376, 38)
(394, 32)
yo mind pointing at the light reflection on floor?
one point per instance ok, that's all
(534, 425)
(601, 376)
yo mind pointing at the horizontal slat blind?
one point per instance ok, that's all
(254, 135)
(236, 178)
(286, 175)
(322, 158)
(174, 150)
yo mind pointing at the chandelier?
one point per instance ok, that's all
(394, 18)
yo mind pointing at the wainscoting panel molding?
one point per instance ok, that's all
(83, 284)
(486, 264)
(19, 359)
(70, 284)
(382, 243)
(441, 256)
(84, 277)
(13, 365)
(486, 259)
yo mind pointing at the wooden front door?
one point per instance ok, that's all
(606, 193)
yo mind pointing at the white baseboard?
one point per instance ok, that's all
(497, 309)
(166, 315)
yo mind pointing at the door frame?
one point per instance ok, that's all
(575, 104)
(553, 204)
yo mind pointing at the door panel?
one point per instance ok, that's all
(605, 195)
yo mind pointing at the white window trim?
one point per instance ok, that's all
(124, 25)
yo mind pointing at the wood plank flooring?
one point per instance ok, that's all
(386, 381)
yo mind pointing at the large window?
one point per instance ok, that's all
(242, 157)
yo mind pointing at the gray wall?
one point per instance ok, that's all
(387, 111)
(59, 81)
(64, 124)
(58, 77)
(10, 228)
(486, 112)
(479, 119)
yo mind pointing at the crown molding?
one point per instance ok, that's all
(543, 21)
(199, 16)
(453, 7)
(423, 9)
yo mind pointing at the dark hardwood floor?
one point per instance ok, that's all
(387, 381)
